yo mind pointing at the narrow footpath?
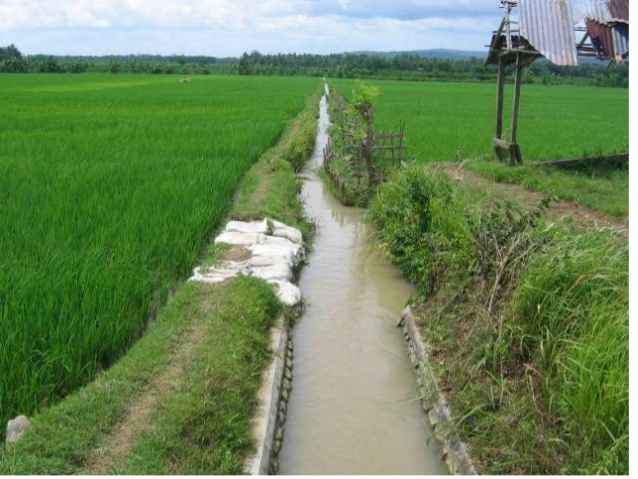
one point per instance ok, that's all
(354, 407)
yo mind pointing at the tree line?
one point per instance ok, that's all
(13, 61)
(402, 66)
(408, 66)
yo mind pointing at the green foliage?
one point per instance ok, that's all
(504, 240)
(364, 96)
(11, 60)
(533, 320)
(270, 188)
(415, 67)
(300, 147)
(204, 427)
(442, 119)
(573, 310)
(421, 227)
(110, 187)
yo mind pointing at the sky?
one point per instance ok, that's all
(223, 28)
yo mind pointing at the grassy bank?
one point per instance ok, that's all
(109, 189)
(181, 401)
(527, 324)
(602, 187)
(202, 424)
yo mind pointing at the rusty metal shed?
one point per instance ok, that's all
(606, 29)
(531, 29)
(605, 11)
(548, 28)
(543, 28)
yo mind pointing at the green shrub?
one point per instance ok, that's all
(422, 227)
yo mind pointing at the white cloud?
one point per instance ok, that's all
(234, 26)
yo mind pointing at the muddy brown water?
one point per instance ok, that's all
(354, 408)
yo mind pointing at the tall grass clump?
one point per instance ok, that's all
(422, 227)
(109, 189)
(573, 306)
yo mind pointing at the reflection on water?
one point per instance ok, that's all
(354, 407)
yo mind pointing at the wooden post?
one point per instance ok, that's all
(401, 130)
(369, 144)
(500, 87)
(515, 152)
(499, 98)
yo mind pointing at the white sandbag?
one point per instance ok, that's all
(288, 251)
(258, 227)
(275, 249)
(257, 261)
(287, 292)
(214, 275)
(288, 232)
(235, 238)
(279, 272)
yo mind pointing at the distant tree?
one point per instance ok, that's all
(78, 66)
(134, 66)
(50, 65)
(11, 60)
(245, 65)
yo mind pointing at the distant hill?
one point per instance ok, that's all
(440, 53)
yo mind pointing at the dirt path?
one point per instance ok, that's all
(583, 218)
(142, 407)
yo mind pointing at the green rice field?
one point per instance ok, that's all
(555, 121)
(109, 188)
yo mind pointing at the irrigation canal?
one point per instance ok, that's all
(354, 407)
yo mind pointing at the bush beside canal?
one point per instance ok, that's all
(527, 324)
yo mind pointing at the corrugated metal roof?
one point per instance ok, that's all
(597, 10)
(604, 11)
(602, 38)
(609, 40)
(547, 25)
(619, 10)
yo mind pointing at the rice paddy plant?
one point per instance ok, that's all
(448, 120)
(109, 188)
(573, 306)
(555, 121)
